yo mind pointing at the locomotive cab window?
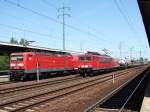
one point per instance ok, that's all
(105, 60)
(30, 57)
(88, 58)
(16, 58)
(82, 58)
(85, 58)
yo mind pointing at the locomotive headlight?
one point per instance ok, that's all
(90, 66)
(12, 65)
(20, 64)
(84, 66)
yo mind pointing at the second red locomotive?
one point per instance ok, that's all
(91, 62)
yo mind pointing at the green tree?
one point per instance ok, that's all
(22, 41)
(141, 59)
(4, 62)
(13, 40)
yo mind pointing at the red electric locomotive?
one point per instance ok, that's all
(94, 62)
(24, 65)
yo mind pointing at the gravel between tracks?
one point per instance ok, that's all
(28, 83)
(27, 93)
(78, 101)
(19, 84)
(35, 93)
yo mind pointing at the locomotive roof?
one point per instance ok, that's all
(87, 54)
(96, 53)
(54, 52)
(46, 53)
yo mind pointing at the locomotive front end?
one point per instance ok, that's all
(16, 66)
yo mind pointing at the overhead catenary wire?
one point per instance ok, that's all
(122, 13)
(21, 29)
(92, 34)
(40, 14)
(26, 30)
(88, 32)
(49, 4)
(54, 20)
(33, 32)
(70, 26)
(126, 17)
(28, 20)
(129, 18)
(30, 10)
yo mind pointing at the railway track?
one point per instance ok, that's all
(13, 92)
(118, 99)
(36, 85)
(24, 103)
(4, 83)
(4, 72)
(60, 84)
(21, 87)
(33, 85)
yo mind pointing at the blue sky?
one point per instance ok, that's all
(99, 22)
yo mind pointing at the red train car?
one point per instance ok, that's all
(28, 63)
(92, 62)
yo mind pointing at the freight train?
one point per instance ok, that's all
(26, 65)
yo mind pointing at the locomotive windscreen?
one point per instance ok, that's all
(16, 58)
(84, 58)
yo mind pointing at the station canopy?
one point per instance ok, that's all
(144, 6)
(8, 48)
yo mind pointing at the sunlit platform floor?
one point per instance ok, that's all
(146, 101)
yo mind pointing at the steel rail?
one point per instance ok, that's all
(90, 109)
(40, 101)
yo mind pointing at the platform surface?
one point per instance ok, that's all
(146, 101)
(4, 78)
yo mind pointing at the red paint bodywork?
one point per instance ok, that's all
(46, 62)
(56, 62)
(96, 62)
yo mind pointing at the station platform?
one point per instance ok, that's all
(146, 101)
(4, 78)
